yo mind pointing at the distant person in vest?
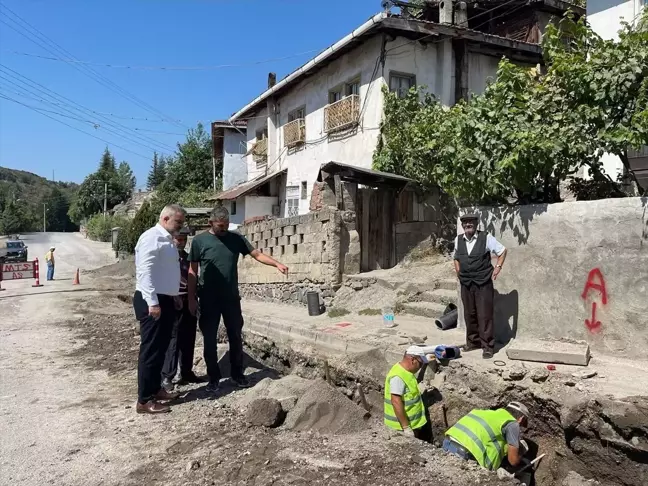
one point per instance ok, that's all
(404, 407)
(49, 259)
(489, 436)
(472, 261)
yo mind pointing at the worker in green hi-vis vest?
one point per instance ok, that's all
(489, 436)
(404, 407)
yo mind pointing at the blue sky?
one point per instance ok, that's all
(160, 33)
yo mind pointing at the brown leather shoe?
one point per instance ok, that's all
(165, 395)
(152, 407)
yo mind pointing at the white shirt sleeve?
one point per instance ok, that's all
(494, 246)
(397, 386)
(146, 251)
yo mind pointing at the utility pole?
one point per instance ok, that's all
(105, 199)
(44, 218)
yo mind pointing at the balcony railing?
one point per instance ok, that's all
(294, 132)
(260, 152)
(342, 114)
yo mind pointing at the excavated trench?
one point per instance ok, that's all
(599, 438)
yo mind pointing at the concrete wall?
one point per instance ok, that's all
(240, 216)
(564, 259)
(235, 169)
(259, 205)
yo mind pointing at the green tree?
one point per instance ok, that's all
(143, 220)
(157, 174)
(529, 130)
(192, 164)
(125, 181)
(116, 184)
(57, 218)
(14, 219)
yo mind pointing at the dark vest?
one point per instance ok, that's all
(475, 268)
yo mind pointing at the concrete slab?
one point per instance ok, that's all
(560, 352)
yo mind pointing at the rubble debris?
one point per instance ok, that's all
(515, 373)
(192, 466)
(265, 412)
(584, 375)
(539, 375)
(575, 479)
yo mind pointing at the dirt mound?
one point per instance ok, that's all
(324, 409)
(291, 386)
(123, 268)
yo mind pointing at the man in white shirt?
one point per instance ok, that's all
(155, 303)
(472, 261)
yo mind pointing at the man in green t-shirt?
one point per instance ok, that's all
(215, 288)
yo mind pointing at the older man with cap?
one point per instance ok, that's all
(404, 407)
(489, 436)
(472, 261)
(183, 337)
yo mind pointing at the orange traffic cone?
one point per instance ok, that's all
(76, 278)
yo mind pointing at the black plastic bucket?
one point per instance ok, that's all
(449, 318)
(313, 301)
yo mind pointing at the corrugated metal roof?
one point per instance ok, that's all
(245, 188)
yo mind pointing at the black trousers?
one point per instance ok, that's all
(424, 433)
(478, 311)
(182, 344)
(210, 316)
(154, 341)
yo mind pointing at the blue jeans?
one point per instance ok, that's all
(50, 271)
(453, 448)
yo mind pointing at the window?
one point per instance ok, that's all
(335, 95)
(297, 114)
(293, 207)
(292, 200)
(304, 190)
(352, 87)
(261, 134)
(401, 83)
(233, 208)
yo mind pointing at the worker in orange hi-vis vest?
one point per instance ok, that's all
(49, 259)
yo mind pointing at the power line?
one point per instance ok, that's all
(65, 102)
(163, 68)
(78, 129)
(97, 77)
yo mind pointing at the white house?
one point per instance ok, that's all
(330, 109)
(605, 17)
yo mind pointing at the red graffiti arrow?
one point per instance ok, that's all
(593, 325)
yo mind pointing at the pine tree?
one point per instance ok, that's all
(107, 166)
(151, 182)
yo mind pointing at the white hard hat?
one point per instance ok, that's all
(417, 351)
(520, 407)
(52, 248)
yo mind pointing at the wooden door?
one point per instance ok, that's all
(374, 213)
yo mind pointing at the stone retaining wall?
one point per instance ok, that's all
(315, 247)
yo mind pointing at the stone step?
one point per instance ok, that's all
(424, 309)
(439, 296)
(447, 284)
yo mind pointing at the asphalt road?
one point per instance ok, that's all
(72, 252)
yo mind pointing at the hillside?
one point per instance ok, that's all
(22, 195)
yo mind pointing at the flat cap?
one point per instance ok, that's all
(469, 217)
(185, 230)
